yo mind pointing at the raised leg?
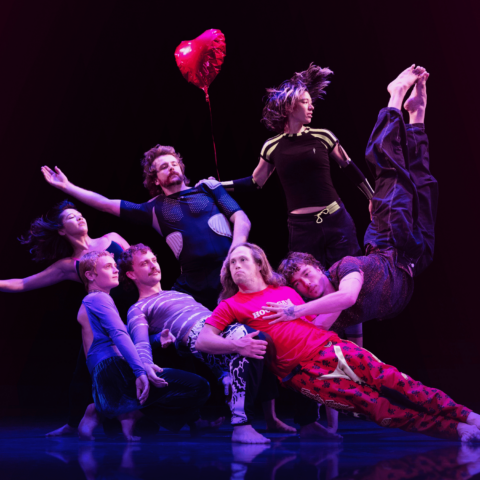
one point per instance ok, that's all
(419, 168)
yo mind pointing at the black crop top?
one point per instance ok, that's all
(303, 166)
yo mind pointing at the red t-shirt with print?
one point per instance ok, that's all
(294, 342)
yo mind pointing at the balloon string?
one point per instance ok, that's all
(213, 138)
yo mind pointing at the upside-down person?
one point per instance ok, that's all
(400, 239)
(316, 361)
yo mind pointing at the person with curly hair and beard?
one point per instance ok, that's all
(195, 222)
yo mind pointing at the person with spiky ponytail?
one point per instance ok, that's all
(318, 222)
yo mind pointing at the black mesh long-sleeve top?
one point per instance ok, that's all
(195, 222)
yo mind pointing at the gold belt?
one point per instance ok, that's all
(332, 208)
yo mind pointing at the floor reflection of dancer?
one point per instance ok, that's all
(195, 222)
(121, 381)
(62, 236)
(400, 238)
(158, 311)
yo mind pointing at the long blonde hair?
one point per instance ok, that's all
(230, 288)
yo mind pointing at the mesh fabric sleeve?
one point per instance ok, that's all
(221, 317)
(225, 203)
(138, 329)
(103, 307)
(137, 212)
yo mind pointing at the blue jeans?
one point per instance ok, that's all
(406, 193)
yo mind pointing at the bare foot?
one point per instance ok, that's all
(65, 431)
(315, 430)
(473, 419)
(277, 426)
(89, 422)
(399, 87)
(247, 434)
(128, 421)
(417, 102)
(468, 433)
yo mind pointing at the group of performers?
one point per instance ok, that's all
(230, 310)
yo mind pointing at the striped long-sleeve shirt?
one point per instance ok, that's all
(176, 311)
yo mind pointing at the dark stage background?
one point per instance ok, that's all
(89, 86)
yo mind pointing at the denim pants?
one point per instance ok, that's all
(406, 194)
(114, 393)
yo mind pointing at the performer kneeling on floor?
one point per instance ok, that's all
(121, 382)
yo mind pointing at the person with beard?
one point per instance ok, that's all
(195, 222)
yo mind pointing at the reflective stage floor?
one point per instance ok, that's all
(367, 452)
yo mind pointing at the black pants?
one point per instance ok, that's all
(406, 193)
(329, 241)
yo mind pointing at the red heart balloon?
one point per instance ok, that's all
(200, 60)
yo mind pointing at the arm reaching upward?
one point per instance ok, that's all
(61, 270)
(59, 180)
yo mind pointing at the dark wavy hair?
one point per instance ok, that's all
(269, 276)
(294, 261)
(125, 264)
(281, 101)
(149, 172)
(43, 238)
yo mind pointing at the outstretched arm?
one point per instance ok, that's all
(329, 306)
(352, 171)
(209, 341)
(59, 180)
(61, 270)
(248, 184)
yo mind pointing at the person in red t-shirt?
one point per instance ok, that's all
(318, 364)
